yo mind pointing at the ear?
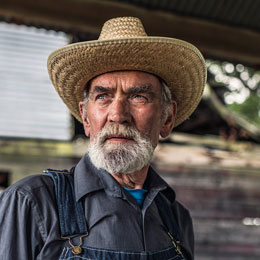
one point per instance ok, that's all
(168, 123)
(84, 118)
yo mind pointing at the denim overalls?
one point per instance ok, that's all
(73, 226)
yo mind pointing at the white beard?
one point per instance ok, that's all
(118, 157)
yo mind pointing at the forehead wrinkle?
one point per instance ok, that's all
(130, 90)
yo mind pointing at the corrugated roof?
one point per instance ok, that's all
(29, 104)
(232, 12)
(222, 29)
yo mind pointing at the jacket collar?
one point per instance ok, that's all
(87, 179)
(156, 182)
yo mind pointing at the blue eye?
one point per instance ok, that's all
(140, 98)
(102, 96)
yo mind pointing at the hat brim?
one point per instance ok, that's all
(178, 63)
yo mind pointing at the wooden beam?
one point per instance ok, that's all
(214, 40)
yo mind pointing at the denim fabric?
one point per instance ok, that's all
(167, 216)
(102, 254)
(71, 216)
(29, 220)
(70, 210)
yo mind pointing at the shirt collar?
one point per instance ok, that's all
(156, 182)
(87, 179)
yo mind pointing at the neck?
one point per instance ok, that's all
(133, 180)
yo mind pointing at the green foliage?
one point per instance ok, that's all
(238, 87)
(249, 109)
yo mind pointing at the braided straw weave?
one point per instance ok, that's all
(124, 45)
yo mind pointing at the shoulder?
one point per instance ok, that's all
(33, 196)
(30, 204)
(33, 191)
(30, 185)
(181, 212)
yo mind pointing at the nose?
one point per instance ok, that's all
(119, 111)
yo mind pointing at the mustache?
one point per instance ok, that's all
(118, 130)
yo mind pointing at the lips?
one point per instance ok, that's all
(118, 137)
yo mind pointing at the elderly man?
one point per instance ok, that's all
(125, 88)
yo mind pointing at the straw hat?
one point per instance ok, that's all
(124, 45)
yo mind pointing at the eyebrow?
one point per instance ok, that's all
(142, 89)
(100, 89)
(133, 90)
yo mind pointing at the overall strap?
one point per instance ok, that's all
(71, 213)
(169, 220)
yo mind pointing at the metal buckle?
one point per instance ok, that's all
(76, 249)
(175, 244)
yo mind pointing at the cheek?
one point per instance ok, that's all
(149, 122)
(96, 121)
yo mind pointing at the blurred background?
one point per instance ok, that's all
(212, 160)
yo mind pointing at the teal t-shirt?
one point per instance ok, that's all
(138, 195)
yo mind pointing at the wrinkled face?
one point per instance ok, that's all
(130, 98)
(123, 119)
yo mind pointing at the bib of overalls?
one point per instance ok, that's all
(73, 226)
(102, 254)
